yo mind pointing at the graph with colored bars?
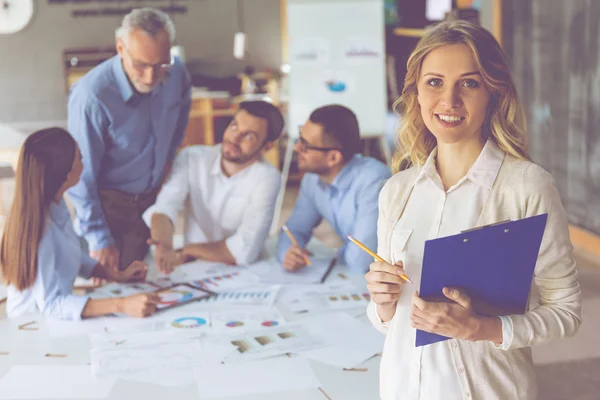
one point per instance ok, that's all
(214, 281)
(257, 297)
(346, 300)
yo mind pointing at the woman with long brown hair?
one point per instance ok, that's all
(464, 164)
(40, 255)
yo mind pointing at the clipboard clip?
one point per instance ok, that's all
(485, 226)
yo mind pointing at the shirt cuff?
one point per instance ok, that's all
(87, 265)
(99, 239)
(376, 319)
(241, 251)
(154, 209)
(73, 307)
(507, 333)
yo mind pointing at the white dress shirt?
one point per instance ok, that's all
(238, 209)
(59, 261)
(496, 188)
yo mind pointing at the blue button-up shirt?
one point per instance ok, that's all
(126, 138)
(59, 261)
(349, 204)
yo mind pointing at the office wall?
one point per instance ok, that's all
(554, 48)
(32, 86)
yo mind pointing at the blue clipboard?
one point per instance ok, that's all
(493, 264)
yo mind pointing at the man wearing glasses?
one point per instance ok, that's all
(128, 116)
(227, 194)
(339, 185)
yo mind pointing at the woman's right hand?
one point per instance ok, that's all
(139, 305)
(384, 283)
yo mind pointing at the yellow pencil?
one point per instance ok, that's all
(293, 239)
(373, 254)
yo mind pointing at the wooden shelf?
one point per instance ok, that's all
(410, 32)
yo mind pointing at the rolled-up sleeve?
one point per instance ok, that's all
(88, 124)
(246, 244)
(46, 288)
(87, 265)
(559, 312)
(175, 190)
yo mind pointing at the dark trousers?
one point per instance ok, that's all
(123, 214)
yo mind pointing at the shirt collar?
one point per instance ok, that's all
(216, 166)
(483, 172)
(123, 84)
(344, 178)
(59, 213)
(428, 169)
(217, 170)
(486, 167)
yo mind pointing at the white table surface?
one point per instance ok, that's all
(29, 348)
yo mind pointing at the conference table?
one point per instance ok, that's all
(29, 347)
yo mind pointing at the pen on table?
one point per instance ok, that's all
(373, 254)
(293, 240)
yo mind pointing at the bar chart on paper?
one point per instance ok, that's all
(255, 296)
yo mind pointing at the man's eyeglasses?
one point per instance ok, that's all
(304, 146)
(142, 66)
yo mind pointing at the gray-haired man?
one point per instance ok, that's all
(128, 116)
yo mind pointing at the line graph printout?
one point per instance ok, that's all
(182, 355)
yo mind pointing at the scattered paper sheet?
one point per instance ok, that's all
(264, 296)
(337, 295)
(258, 377)
(179, 377)
(163, 377)
(245, 319)
(217, 278)
(181, 355)
(270, 271)
(121, 290)
(349, 341)
(264, 343)
(54, 382)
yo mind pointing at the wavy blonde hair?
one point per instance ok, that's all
(505, 122)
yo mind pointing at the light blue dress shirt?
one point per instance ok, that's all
(59, 261)
(349, 204)
(126, 138)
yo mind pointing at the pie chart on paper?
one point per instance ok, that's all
(188, 322)
(170, 297)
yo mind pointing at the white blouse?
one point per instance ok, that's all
(430, 372)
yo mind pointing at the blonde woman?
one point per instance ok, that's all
(465, 164)
(40, 255)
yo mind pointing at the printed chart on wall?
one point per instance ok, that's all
(337, 59)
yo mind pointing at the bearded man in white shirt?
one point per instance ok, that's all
(226, 192)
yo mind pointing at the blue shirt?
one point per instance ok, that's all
(349, 204)
(59, 261)
(126, 138)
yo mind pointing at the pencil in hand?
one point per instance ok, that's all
(374, 255)
(294, 242)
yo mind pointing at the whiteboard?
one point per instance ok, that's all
(337, 55)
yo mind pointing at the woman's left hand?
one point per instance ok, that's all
(455, 320)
